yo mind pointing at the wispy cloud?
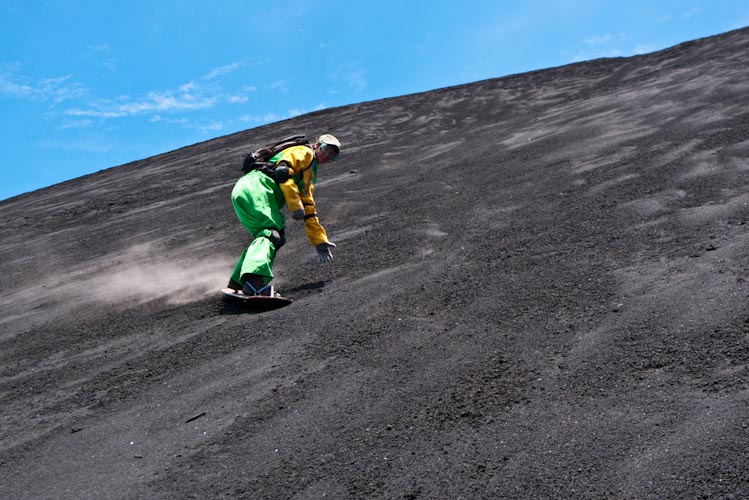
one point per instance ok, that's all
(76, 124)
(598, 40)
(172, 121)
(61, 89)
(643, 49)
(11, 88)
(187, 98)
(357, 80)
(351, 76)
(275, 116)
(101, 51)
(223, 70)
(213, 126)
(694, 11)
(607, 45)
(266, 118)
(98, 47)
(278, 85)
(586, 55)
(166, 105)
(50, 89)
(269, 118)
(189, 87)
(686, 15)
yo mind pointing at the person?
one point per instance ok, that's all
(258, 197)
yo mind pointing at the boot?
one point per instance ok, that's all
(235, 286)
(254, 284)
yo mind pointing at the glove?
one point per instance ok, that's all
(298, 214)
(323, 251)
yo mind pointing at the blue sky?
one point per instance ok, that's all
(88, 85)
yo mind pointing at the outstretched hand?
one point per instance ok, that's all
(323, 251)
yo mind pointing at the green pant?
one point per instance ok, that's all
(257, 201)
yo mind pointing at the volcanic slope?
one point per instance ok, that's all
(539, 291)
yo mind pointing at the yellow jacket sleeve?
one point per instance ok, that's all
(299, 189)
(299, 160)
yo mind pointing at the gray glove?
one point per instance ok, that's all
(323, 251)
(298, 214)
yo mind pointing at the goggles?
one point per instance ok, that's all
(330, 151)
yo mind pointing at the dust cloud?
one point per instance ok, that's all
(178, 282)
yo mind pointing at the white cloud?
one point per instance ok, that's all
(60, 89)
(237, 99)
(598, 40)
(349, 76)
(14, 88)
(643, 49)
(587, 55)
(608, 45)
(188, 87)
(172, 121)
(109, 63)
(154, 102)
(689, 14)
(51, 89)
(278, 85)
(269, 118)
(223, 70)
(357, 80)
(101, 51)
(98, 47)
(212, 127)
(694, 11)
(95, 114)
(584, 55)
(86, 123)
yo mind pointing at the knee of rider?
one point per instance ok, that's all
(278, 238)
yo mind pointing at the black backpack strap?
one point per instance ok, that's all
(265, 153)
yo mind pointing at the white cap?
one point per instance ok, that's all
(330, 139)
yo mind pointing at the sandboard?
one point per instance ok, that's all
(256, 302)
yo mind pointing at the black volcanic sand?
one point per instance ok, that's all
(540, 291)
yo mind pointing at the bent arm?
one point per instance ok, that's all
(315, 232)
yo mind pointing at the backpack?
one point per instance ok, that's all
(265, 153)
